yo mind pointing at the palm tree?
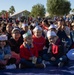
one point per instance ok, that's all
(12, 10)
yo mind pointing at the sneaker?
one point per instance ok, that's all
(60, 64)
(44, 65)
(22, 66)
(43, 62)
(19, 66)
(11, 66)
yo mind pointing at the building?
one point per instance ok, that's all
(18, 15)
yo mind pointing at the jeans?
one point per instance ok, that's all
(42, 52)
(63, 59)
(29, 62)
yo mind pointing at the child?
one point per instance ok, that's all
(15, 43)
(72, 36)
(5, 52)
(55, 53)
(63, 32)
(38, 39)
(29, 53)
(25, 29)
(8, 30)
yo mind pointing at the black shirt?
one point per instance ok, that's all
(15, 45)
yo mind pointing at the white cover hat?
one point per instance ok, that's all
(3, 37)
(24, 25)
(70, 54)
(52, 26)
(26, 34)
(51, 33)
(15, 29)
(37, 28)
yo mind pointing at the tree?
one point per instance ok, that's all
(38, 10)
(72, 10)
(0, 14)
(26, 13)
(3, 12)
(58, 7)
(11, 10)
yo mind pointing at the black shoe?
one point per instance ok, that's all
(2, 67)
(40, 65)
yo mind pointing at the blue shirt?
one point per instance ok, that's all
(6, 50)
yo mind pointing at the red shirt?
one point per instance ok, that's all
(44, 27)
(25, 53)
(39, 42)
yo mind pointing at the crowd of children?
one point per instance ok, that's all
(33, 43)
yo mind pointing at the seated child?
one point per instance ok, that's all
(5, 53)
(55, 53)
(15, 43)
(29, 53)
(38, 39)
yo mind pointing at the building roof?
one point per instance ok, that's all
(16, 14)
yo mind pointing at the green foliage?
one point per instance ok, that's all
(26, 13)
(38, 10)
(72, 10)
(58, 7)
(3, 12)
(12, 10)
(0, 14)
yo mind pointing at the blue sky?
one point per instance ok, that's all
(21, 5)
